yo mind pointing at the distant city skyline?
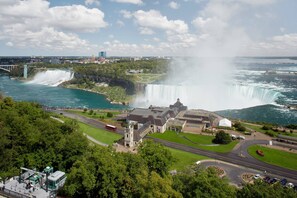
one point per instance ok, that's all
(148, 27)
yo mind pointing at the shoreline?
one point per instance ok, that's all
(124, 103)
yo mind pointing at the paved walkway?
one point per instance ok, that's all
(95, 141)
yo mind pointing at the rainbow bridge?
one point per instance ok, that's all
(9, 68)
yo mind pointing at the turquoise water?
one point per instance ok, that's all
(53, 96)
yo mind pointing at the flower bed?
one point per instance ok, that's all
(219, 171)
(260, 152)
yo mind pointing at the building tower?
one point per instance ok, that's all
(25, 71)
(129, 134)
(102, 54)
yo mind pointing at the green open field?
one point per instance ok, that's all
(99, 134)
(184, 159)
(100, 114)
(194, 140)
(259, 129)
(275, 157)
(147, 78)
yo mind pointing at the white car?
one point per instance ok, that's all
(233, 137)
(241, 137)
(290, 185)
(257, 176)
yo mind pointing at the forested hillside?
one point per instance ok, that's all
(29, 138)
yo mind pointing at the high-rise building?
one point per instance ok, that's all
(102, 54)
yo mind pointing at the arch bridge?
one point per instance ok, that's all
(7, 68)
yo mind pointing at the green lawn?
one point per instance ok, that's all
(99, 134)
(259, 129)
(194, 140)
(184, 159)
(275, 157)
(99, 113)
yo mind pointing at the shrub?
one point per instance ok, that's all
(109, 114)
(91, 112)
(265, 127)
(269, 133)
(222, 138)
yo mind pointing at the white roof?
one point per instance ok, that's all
(225, 122)
(56, 175)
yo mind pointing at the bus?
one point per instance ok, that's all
(110, 127)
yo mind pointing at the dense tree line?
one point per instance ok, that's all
(30, 138)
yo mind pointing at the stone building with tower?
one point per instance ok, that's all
(176, 117)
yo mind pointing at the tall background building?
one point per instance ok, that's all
(102, 54)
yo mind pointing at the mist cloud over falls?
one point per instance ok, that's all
(206, 79)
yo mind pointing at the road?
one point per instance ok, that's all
(233, 157)
(90, 121)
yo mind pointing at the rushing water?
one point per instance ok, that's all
(248, 93)
(53, 96)
(52, 77)
(251, 95)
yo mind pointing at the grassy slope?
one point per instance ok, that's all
(196, 141)
(275, 157)
(184, 159)
(259, 129)
(99, 134)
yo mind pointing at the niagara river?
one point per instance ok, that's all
(260, 90)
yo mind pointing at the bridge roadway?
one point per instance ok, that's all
(233, 157)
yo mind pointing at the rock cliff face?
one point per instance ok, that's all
(128, 85)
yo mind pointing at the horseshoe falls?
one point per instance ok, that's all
(212, 98)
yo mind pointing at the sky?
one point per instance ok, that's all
(148, 27)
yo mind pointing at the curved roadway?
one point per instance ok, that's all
(234, 157)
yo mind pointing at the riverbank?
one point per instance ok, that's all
(114, 94)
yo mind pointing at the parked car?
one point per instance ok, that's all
(241, 137)
(266, 179)
(233, 137)
(283, 182)
(272, 181)
(290, 185)
(257, 176)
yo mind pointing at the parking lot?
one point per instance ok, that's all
(234, 173)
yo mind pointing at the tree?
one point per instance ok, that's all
(157, 157)
(202, 183)
(222, 138)
(262, 189)
(109, 114)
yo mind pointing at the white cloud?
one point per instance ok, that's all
(120, 23)
(257, 2)
(137, 2)
(91, 2)
(154, 19)
(126, 14)
(77, 17)
(33, 23)
(281, 45)
(46, 38)
(9, 44)
(173, 5)
(146, 31)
